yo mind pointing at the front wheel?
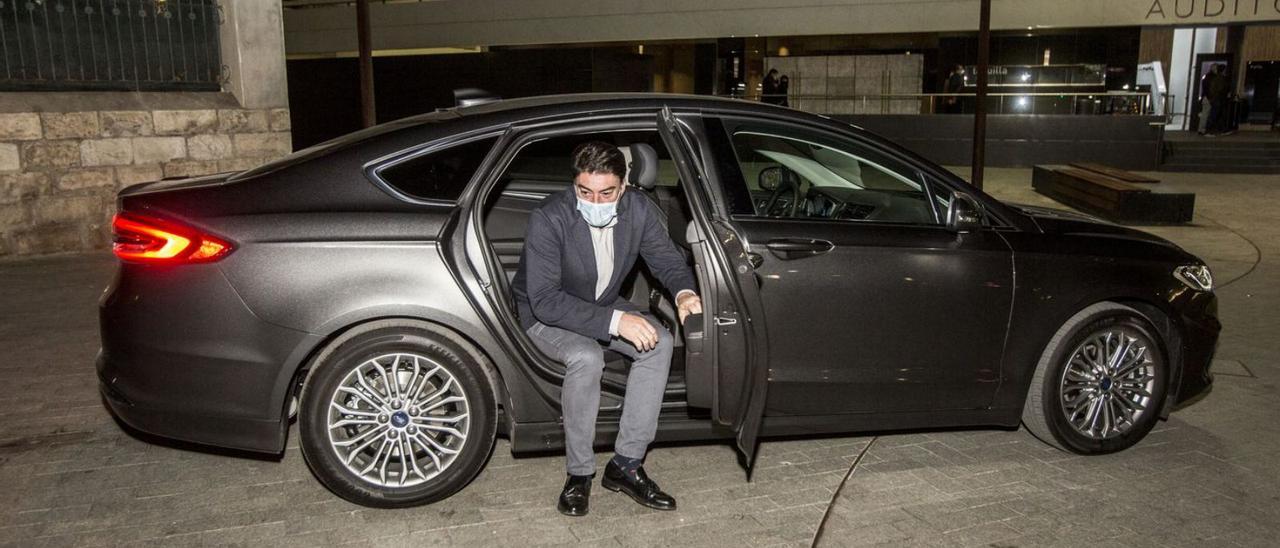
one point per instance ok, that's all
(396, 416)
(1100, 383)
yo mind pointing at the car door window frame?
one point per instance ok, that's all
(787, 130)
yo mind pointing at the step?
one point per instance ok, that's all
(1213, 168)
(1208, 159)
(1227, 150)
(1223, 145)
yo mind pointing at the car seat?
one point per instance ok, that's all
(642, 173)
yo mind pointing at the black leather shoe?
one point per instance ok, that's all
(638, 486)
(576, 496)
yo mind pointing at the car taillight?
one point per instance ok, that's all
(140, 238)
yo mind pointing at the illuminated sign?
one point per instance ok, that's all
(1197, 9)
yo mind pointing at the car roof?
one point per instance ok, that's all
(575, 101)
(522, 108)
(504, 111)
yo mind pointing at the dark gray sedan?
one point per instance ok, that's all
(363, 286)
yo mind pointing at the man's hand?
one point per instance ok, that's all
(638, 331)
(688, 303)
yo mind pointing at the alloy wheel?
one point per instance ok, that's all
(398, 420)
(1108, 384)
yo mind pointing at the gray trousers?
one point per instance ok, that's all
(583, 358)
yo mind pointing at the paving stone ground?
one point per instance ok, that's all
(69, 476)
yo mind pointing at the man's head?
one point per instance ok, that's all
(599, 168)
(1219, 69)
(958, 69)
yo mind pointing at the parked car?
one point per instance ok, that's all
(363, 286)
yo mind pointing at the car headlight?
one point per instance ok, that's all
(1196, 276)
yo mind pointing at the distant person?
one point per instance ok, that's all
(784, 85)
(769, 88)
(1219, 89)
(1204, 104)
(953, 84)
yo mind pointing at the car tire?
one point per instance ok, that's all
(416, 391)
(1077, 403)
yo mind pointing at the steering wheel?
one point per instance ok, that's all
(787, 182)
(874, 204)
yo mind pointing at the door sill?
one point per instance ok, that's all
(544, 437)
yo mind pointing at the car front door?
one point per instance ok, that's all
(725, 356)
(873, 305)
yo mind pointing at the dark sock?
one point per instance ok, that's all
(626, 464)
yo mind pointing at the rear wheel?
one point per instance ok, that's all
(1100, 383)
(396, 416)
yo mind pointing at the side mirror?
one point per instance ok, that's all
(965, 214)
(770, 178)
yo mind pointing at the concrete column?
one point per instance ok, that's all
(253, 52)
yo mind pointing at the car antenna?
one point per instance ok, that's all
(465, 97)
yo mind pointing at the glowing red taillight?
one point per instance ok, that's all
(139, 238)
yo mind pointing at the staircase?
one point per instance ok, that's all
(1221, 155)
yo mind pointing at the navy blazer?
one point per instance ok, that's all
(556, 281)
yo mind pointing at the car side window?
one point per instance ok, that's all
(440, 174)
(806, 178)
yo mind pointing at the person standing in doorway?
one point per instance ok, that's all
(784, 87)
(1202, 122)
(1219, 89)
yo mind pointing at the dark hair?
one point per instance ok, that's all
(772, 72)
(599, 157)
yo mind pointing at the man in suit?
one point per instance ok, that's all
(581, 244)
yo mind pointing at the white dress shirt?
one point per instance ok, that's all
(602, 246)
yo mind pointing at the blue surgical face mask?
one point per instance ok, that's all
(598, 215)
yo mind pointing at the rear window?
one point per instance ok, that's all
(437, 175)
(338, 143)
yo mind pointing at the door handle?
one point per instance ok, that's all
(798, 248)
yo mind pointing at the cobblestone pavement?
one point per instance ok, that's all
(70, 476)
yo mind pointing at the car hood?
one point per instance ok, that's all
(1060, 221)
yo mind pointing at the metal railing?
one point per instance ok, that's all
(110, 45)
(1079, 103)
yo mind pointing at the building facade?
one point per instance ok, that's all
(95, 101)
(843, 58)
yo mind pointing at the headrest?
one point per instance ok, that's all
(643, 171)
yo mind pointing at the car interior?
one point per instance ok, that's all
(543, 168)
(793, 178)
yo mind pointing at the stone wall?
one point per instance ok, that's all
(64, 156)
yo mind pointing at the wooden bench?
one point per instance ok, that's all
(1114, 173)
(1111, 198)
